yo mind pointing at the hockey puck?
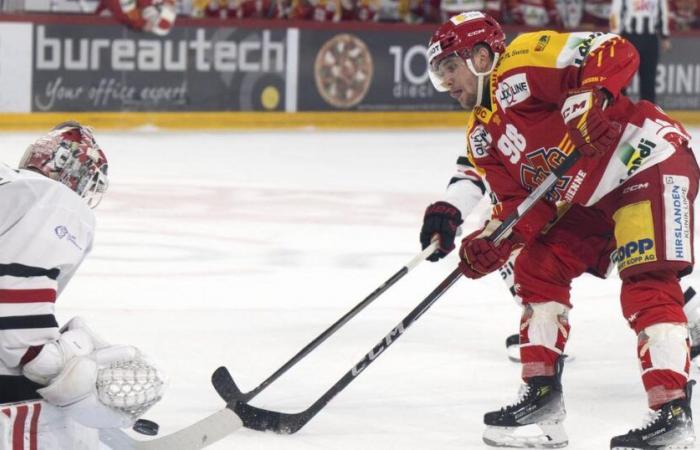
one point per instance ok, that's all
(147, 427)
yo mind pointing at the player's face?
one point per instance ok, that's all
(458, 80)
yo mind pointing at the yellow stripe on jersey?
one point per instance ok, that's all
(550, 49)
(538, 49)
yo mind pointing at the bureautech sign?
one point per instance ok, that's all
(110, 68)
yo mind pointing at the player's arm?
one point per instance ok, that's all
(478, 255)
(443, 218)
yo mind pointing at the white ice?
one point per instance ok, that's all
(238, 249)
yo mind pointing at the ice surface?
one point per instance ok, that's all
(240, 248)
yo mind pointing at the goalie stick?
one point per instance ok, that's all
(230, 393)
(288, 423)
(194, 437)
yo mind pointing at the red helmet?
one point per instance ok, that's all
(70, 155)
(460, 34)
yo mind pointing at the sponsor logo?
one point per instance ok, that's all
(575, 106)
(677, 218)
(575, 185)
(634, 234)
(379, 349)
(634, 156)
(434, 50)
(479, 141)
(542, 43)
(466, 17)
(513, 90)
(481, 112)
(343, 71)
(634, 252)
(474, 33)
(635, 187)
(258, 53)
(62, 232)
(583, 47)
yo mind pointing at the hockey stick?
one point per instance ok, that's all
(226, 387)
(194, 437)
(288, 423)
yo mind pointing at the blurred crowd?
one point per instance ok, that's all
(567, 14)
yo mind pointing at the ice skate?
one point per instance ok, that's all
(668, 428)
(534, 420)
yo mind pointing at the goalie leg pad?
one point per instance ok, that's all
(544, 330)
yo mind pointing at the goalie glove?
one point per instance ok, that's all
(592, 133)
(479, 256)
(441, 219)
(96, 384)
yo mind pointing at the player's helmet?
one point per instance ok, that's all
(458, 36)
(70, 155)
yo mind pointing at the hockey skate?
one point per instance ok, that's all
(540, 405)
(668, 428)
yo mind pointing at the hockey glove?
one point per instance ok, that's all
(592, 133)
(441, 219)
(479, 256)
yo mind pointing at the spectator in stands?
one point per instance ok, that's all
(451, 8)
(596, 13)
(535, 13)
(685, 14)
(153, 16)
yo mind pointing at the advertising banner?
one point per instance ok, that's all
(108, 68)
(677, 76)
(366, 71)
(15, 67)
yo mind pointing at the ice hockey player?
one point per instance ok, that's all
(58, 386)
(632, 192)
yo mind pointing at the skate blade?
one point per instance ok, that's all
(685, 445)
(552, 435)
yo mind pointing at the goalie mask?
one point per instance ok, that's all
(454, 41)
(70, 155)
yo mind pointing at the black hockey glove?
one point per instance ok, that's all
(441, 219)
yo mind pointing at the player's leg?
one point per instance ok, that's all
(653, 229)
(543, 274)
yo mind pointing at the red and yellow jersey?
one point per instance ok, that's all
(518, 136)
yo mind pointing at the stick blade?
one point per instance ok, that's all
(265, 420)
(227, 389)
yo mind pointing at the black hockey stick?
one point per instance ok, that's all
(226, 387)
(287, 423)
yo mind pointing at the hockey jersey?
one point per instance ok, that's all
(46, 230)
(517, 136)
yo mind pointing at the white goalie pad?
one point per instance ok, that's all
(38, 425)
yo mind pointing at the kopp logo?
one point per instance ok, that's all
(631, 251)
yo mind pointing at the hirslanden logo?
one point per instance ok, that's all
(259, 54)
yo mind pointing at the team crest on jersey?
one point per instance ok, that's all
(540, 164)
(513, 90)
(479, 141)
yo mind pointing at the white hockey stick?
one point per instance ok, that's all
(194, 437)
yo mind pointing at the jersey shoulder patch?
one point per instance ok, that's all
(479, 140)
